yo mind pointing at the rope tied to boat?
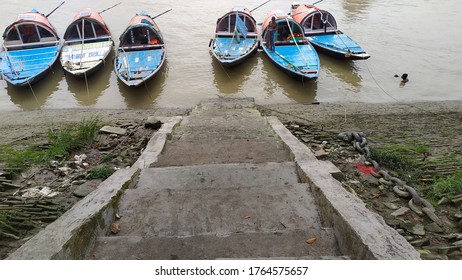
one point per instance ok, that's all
(416, 203)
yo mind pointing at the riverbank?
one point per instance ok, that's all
(437, 125)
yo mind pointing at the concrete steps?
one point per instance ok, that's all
(281, 244)
(218, 211)
(223, 131)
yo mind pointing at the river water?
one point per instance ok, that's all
(421, 38)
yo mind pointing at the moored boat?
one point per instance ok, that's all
(236, 37)
(293, 53)
(87, 44)
(31, 46)
(321, 30)
(141, 51)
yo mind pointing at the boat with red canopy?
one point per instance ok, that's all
(87, 44)
(236, 37)
(293, 53)
(141, 52)
(321, 30)
(31, 46)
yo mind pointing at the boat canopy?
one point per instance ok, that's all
(227, 22)
(142, 30)
(30, 28)
(284, 21)
(87, 24)
(313, 19)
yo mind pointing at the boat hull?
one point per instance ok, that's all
(230, 53)
(236, 37)
(31, 46)
(292, 53)
(136, 67)
(27, 66)
(82, 60)
(339, 46)
(290, 61)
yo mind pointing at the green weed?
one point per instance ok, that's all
(403, 159)
(61, 142)
(447, 186)
(102, 172)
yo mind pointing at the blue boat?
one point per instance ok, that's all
(293, 53)
(30, 48)
(321, 30)
(141, 52)
(236, 37)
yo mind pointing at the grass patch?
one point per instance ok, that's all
(61, 142)
(102, 172)
(447, 186)
(403, 159)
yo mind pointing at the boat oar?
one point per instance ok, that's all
(55, 9)
(259, 6)
(161, 14)
(110, 8)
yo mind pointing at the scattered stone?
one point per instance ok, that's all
(443, 201)
(153, 123)
(434, 227)
(458, 216)
(113, 130)
(420, 242)
(401, 211)
(418, 229)
(391, 205)
(86, 188)
(407, 225)
(321, 154)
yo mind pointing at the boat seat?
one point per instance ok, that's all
(289, 42)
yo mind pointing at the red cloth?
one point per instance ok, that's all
(366, 169)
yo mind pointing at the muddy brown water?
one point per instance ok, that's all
(414, 37)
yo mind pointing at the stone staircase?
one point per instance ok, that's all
(224, 186)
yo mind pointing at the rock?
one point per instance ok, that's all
(458, 216)
(407, 225)
(153, 123)
(113, 130)
(86, 188)
(418, 229)
(401, 211)
(444, 200)
(321, 154)
(433, 227)
(457, 243)
(420, 242)
(391, 206)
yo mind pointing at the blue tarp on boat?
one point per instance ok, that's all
(228, 49)
(22, 66)
(135, 66)
(337, 42)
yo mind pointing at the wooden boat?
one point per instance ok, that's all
(87, 44)
(321, 30)
(293, 53)
(31, 46)
(141, 52)
(236, 37)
